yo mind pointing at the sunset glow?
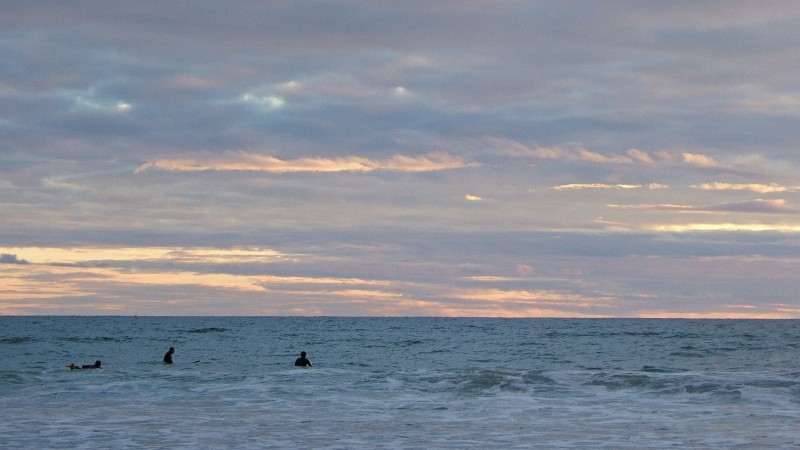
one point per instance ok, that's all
(514, 159)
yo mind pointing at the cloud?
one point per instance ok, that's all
(632, 94)
(773, 206)
(579, 186)
(424, 163)
(243, 161)
(535, 296)
(92, 255)
(518, 149)
(590, 156)
(755, 187)
(696, 159)
(539, 302)
(525, 270)
(640, 156)
(514, 148)
(98, 274)
(636, 156)
(89, 101)
(770, 104)
(269, 102)
(632, 156)
(328, 275)
(660, 207)
(7, 258)
(728, 227)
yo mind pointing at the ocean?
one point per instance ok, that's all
(405, 383)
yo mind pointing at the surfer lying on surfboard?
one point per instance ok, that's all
(96, 365)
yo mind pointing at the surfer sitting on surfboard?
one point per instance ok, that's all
(168, 355)
(302, 361)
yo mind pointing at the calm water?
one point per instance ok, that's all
(399, 383)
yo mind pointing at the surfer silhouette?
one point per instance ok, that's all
(168, 355)
(302, 361)
(96, 365)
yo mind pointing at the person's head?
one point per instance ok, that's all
(172, 349)
(97, 363)
(302, 354)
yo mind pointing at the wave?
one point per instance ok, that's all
(208, 330)
(476, 381)
(92, 340)
(17, 340)
(724, 387)
(649, 382)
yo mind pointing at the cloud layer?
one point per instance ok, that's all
(415, 158)
(242, 161)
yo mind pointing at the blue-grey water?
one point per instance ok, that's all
(415, 383)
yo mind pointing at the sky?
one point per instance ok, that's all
(400, 158)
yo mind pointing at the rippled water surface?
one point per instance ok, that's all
(399, 383)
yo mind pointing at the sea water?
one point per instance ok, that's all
(415, 383)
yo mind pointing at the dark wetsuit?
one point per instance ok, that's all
(302, 362)
(168, 356)
(96, 365)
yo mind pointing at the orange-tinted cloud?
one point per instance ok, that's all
(696, 159)
(243, 161)
(755, 187)
(577, 186)
(743, 227)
